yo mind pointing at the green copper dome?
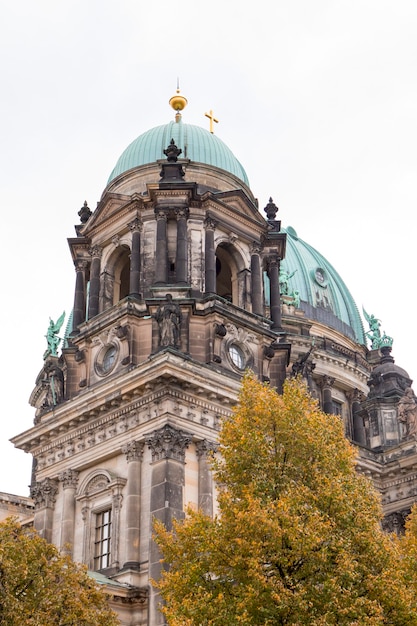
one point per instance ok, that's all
(323, 294)
(197, 144)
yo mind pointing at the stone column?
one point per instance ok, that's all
(256, 281)
(78, 315)
(168, 446)
(43, 494)
(161, 253)
(204, 449)
(210, 256)
(326, 384)
(134, 454)
(275, 299)
(358, 426)
(69, 480)
(181, 260)
(134, 286)
(94, 295)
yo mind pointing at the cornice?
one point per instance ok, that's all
(152, 381)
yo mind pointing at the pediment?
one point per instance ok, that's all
(110, 208)
(236, 202)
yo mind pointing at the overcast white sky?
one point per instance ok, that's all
(317, 99)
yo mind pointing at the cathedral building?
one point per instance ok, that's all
(182, 283)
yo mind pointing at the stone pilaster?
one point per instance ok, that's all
(134, 454)
(168, 446)
(69, 480)
(43, 494)
(205, 450)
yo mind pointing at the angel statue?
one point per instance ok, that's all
(52, 336)
(374, 332)
(284, 277)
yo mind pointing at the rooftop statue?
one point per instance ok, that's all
(284, 277)
(52, 336)
(377, 339)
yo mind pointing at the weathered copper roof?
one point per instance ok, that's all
(197, 144)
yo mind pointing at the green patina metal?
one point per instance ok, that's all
(316, 286)
(52, 338)
(196, 144)
(377, 339)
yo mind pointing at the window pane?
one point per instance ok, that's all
(102, 545)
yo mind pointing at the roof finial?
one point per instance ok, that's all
(271, 210)
(178, 102)
(212, 119)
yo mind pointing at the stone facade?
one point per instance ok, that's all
(169, 310)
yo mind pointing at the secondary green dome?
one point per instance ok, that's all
(323, 294)
(197, 144)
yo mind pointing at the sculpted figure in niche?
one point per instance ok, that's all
(407, 414)
(54, 382)
(168, 317)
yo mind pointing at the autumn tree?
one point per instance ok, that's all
(297, 539)
(39, 587)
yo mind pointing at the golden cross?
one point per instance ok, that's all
(212, 119)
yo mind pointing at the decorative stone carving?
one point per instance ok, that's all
(43, 493)
(395, 522)
(84, 213)
(96, 252)
(271, 210)
(136, 224)
(69, 479)
(205, 448)
(172, 152)
(97, 483)
(210, 223)
(220, 330)
(326, 382)
(133, 450)
(168, 443)
(407, 414)
(168, 317)
(303, 366)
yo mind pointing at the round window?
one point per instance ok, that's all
(320, 276)
(106, 359)
(109, 358)
(237, 356)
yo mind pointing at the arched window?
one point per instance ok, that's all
(121, 274)
(226, 274)
(100, 498)
(231, 274)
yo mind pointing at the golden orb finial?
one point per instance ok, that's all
(178, 102)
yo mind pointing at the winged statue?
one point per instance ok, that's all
(374, 332)
(52, 336)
